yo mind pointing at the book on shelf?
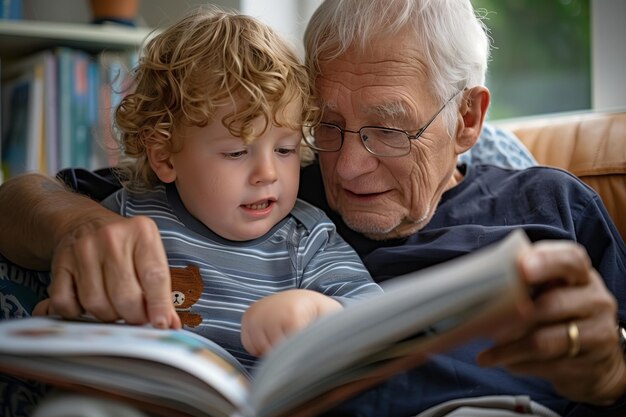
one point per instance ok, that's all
(51, 115)
(179, 373)
(11, 9)
(15, 96)
(65, 67)
(80, 139)
(23, 95)
(57, 106)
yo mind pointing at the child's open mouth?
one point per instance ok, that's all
(259, 205)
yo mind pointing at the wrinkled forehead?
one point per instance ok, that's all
(390, 60)
(402, 49)
(389, 76)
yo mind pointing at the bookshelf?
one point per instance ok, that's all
(52, 145)
(22, 37)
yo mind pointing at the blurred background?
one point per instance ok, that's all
(64, 65)
(542, 61)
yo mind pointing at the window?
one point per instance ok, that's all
(541, 57)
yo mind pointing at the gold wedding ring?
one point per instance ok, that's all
(574, 339)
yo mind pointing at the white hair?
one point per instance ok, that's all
(452, 37)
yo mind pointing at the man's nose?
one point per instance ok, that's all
(354, 159)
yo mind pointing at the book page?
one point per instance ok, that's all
(151, 386)
(420, 313)
(129, 356)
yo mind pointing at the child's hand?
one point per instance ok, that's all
(272, 318)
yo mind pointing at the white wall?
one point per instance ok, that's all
(288, 17)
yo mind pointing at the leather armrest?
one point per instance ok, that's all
(591, 146)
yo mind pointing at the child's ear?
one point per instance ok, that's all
(472, 110)
(159, 160)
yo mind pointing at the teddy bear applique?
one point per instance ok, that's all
(187, 288)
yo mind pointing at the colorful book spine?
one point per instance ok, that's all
(80, 141)
(11, 9)
(51, 115)
(64, 103)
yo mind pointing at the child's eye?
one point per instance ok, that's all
(285, 151)
(234, 155)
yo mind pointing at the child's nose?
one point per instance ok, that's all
(264, 171)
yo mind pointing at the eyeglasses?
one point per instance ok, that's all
(379, 141)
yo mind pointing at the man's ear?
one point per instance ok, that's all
(472, 110)
(159, 160)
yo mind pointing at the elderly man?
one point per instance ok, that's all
(401, 85)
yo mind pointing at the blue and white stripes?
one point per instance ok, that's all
(302, 251)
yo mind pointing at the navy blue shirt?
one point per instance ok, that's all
(489, 203)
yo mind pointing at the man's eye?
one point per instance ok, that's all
(387, 132)
(234, 155)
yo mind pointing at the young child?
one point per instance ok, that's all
(211, 136)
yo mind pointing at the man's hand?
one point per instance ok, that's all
(102, 264)
(117, 270)
(572, 340)
(272, 318)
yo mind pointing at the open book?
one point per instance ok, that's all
(178, 373)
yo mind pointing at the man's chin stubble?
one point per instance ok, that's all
(375, 231)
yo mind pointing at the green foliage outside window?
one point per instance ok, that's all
(541, 57)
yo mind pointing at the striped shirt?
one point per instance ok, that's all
(302, 251)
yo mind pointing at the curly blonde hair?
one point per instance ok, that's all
(210, 58)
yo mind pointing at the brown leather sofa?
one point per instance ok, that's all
(590, 145)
